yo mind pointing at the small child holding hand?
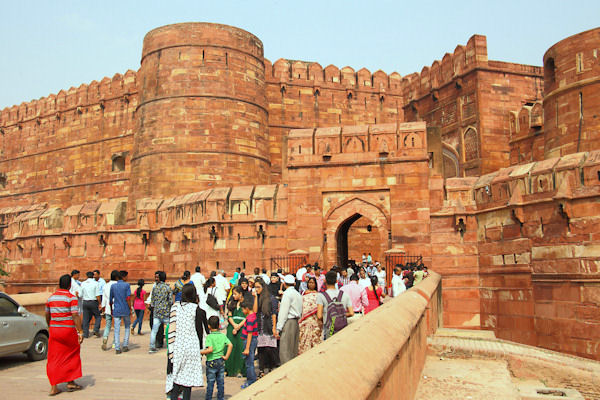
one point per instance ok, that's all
(215, 358)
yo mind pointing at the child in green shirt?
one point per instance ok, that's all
(215, 358)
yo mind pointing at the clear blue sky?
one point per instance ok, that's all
(47, 46)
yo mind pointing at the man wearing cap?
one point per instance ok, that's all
(287, 320)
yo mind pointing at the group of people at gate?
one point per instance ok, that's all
(273, 317)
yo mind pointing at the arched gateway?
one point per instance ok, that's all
(356, 223)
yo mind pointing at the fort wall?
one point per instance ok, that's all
(212, 155)
(217, 228)
(303, 94)
(69, 147)
(528, 244)
(336, 175)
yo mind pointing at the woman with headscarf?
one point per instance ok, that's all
(187, 326)
(265, 307)
(275, 286)
(246, 290)
(309, 325)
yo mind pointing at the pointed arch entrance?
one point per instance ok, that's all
(353, 224)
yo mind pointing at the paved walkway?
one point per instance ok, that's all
(456, 342)
(474, 365)
(465, 379)
(106, 376)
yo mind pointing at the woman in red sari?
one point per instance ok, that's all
(310, 326)
(66, 335)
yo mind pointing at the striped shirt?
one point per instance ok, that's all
(62, 305)
(250, 326)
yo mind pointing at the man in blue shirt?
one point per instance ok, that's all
(120, 303)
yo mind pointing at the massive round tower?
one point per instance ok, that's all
(572, 95)
(202, 111)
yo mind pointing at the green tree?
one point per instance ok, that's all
(4, 267)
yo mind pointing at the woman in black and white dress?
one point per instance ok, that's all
(187, 326)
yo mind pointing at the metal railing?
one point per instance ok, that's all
(288, 263)
(391, 260)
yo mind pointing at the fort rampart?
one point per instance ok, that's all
(212, 155)
(519, 250)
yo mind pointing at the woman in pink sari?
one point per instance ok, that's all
(310, 326)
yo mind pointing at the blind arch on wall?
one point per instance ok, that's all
(471, 144)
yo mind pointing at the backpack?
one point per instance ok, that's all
(212, 301)
(336, 315)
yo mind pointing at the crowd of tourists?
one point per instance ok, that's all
(230, 321)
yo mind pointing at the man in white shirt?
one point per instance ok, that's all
(90, 295)
(197, 279)
(222, 287)
(333, 293)
(290, 312)
(98, 278)
(299, 275)
(114, 277)
(364, 280)
(381, 277)
(398, 286)
(76, 289)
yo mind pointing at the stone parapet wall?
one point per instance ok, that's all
(220, 228)
(519, 253)
(394, 368)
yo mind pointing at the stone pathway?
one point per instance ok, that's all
(456, 342)
(106, 376)
(465, 379)
(474, 365)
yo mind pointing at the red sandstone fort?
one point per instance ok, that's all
(212, 155)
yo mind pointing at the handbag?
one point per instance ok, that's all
(212, 302)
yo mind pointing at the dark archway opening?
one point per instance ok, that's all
(342, 240)
(355, 236)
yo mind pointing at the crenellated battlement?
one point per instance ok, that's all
(440, 73)
(356, 144)
(556, 179)
(305, 73)
(86, 95)
(526, 121)
(250, 204)
(454, 66)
